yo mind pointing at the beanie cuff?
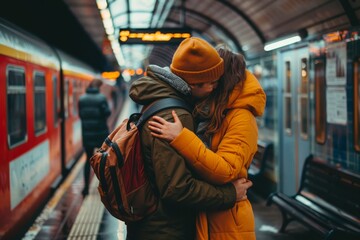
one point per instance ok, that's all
(195, 77)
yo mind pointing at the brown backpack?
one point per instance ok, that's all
(123, 185)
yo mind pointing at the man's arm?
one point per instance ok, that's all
(174, 179)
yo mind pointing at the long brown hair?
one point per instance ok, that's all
(213, 107)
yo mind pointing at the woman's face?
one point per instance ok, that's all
(202, 90)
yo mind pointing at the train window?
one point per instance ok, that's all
(357, 105)
(66, 99)
(287, 99)
(56, 99)
(16, 106)
(39, 103)
(304, 99)
(320, 102)
(76, 87)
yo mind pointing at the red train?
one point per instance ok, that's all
(40, 133)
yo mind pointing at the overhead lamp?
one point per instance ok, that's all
(282, 42)
(105, 13)
(109, 30)
(101, 4)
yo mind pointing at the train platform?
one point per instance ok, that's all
(69, 215)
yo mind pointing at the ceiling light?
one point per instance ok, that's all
(109, 31)
(108, 23)
(282, 42)
(101, 4)
(105, 14)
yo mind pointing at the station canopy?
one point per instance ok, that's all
(246, 26)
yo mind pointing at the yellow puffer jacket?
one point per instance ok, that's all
(232, 150)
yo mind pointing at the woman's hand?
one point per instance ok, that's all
(163, 129)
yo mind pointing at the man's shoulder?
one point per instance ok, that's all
(183, 114)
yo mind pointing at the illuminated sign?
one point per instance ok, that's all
(132, 72)
(339, 36)
(153, 35)
(110, 75)
(335, 36)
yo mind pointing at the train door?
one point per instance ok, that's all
(294, 130)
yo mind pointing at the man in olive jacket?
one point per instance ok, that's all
(94, 111)
(180, 194)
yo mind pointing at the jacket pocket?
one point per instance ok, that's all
(243, 216)
(222, 221)
(236, 220)
(234, 213)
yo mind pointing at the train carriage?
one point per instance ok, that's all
(40, 134)
(29, 131)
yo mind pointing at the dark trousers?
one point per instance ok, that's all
(89, 153)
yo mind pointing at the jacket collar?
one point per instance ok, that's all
(165, 75)
(92, 90)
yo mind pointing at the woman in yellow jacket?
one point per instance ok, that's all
(224, 144)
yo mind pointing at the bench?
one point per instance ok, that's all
(259, 163)
(328, 201)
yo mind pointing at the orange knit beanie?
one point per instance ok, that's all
(196, 61)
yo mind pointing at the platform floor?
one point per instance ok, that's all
(69, 215)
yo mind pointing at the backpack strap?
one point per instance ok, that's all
(160, 105)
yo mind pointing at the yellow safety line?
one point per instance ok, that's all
(50, 206)
(91, 198)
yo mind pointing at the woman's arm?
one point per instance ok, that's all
(175, 181)
(232, 156)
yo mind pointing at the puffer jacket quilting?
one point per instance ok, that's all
(232, 150)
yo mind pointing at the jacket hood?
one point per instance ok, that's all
(159, 83)
(252, 97)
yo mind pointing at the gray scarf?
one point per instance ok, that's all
(165, 74)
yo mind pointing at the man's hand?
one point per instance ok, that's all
(241, 185)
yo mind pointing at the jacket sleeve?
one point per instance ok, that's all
(233, 155)
(174, 180)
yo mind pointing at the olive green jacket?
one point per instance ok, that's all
(181, 194)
